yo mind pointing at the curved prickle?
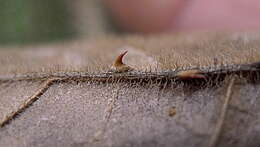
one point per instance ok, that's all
(119, 66)
(191, 74)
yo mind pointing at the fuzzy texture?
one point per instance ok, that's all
(89, 106)
(89, 114)
(150, 53)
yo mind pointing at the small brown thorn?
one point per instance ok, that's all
(119, 66)
(191, 74)
(119, 59)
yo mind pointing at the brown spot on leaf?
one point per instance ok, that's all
(172, 111)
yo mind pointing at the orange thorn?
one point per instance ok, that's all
(191, 74)
(119, 59)
(119, 66)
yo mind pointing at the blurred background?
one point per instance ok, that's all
(42, 21)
